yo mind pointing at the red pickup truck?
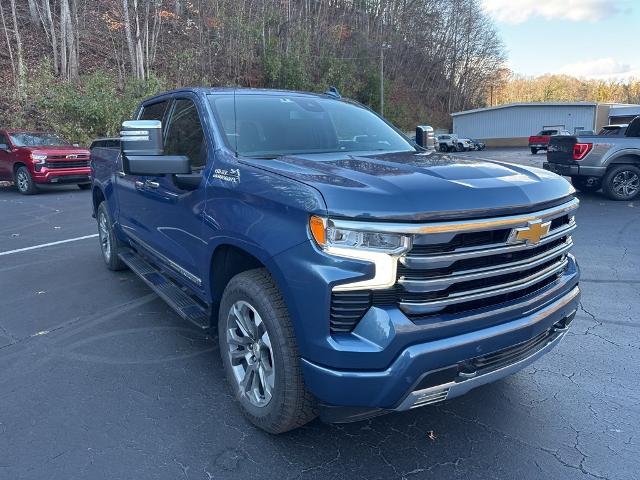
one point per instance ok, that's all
(32, 158)
(541, 140)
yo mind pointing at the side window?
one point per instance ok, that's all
(185, 135)
(3, 139)
(155, 111)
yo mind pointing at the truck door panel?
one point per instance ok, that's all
(171, 215)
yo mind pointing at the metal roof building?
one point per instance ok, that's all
(512, 124)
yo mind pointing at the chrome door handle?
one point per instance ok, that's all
(151, 184)
(139, 184)
(121, 174)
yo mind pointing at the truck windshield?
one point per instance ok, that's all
(273, 125)
(26, 139)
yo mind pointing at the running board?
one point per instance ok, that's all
(183, 304)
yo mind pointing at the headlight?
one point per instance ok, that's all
(38, 157)
(328, 236)
(382, 249)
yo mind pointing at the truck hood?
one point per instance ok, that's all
(412, 186)
(57, 151)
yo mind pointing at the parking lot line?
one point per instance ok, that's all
(43, 245)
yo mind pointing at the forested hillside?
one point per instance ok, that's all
(562, 88)
(80, 66)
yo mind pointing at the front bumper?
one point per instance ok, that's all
(568, 170)
(443, 369)
(61, 175)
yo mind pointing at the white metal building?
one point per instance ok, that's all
(512, 124)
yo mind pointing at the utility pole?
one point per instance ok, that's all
(382, 47)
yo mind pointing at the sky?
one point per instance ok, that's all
(584, 38)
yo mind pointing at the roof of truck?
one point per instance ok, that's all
(241, 91)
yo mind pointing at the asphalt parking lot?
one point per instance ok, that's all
(99, 379)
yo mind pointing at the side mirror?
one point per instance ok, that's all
(141, 137)
(425, 137)
(142, 151)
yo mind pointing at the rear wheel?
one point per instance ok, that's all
(534, 151)
(260, 355)
(622, 182)
(109, 243)
(24, 182)
(586, 184)
(443, 147)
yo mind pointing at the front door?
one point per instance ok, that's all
(130, 188)
(172, 215)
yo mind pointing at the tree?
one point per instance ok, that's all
(20, 68)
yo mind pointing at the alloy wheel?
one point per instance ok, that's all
(103, 233)
(626, 183)
(250, 353)
(22, 180)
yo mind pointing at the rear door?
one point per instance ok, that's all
(172, 215)
(130, 188)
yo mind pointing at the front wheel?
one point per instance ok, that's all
(260, 355)
(109, 243)
(24, 182)
(583, 184)
(460, 147)
(622, 182)
(443, 148)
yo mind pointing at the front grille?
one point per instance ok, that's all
(455, 272)
(67, 164)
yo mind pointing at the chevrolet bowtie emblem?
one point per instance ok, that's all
(532, 233)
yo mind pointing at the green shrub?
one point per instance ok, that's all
(93, 107)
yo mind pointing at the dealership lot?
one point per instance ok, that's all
(100, 379)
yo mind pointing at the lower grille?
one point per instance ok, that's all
(347, 308)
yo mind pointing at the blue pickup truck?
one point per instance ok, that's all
(347, 271)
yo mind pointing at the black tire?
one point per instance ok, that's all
(534, 151)
(460, 148)
(622, 182)
(24, 182)
(290, 405)
(582, 185)
(84, 186)
(444, 148)
(110, 246)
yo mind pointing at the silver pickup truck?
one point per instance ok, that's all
(594, 162)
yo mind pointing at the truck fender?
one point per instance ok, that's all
(227, 259)
(627, 156)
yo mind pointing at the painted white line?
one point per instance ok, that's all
(44, 245)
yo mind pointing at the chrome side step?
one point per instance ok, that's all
(184, 305)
